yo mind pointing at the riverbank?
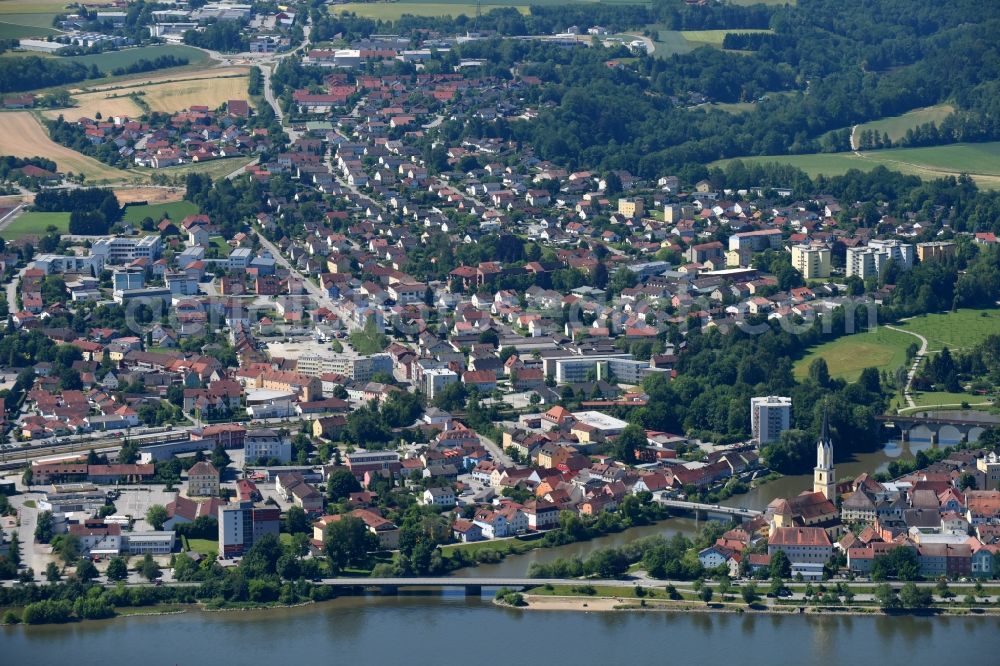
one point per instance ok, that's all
(414, 629)
(538, 602)
(11, 615)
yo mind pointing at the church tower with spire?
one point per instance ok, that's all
(824, 477)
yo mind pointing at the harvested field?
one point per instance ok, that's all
(23, 136)
(108, 104)
(152, 195)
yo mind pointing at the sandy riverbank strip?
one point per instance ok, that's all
(605, 604)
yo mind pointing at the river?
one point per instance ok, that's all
(757, 498)
(417, 630)
(434, 629)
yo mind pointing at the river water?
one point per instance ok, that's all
(418, 630)
(451, 628)
(758, 498)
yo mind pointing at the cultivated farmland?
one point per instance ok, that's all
(392, 11)
(164, 76)
(179, 95)
(168, 96)
(107, 103)
(110, 60)
(23, 136)
(149, 194)
(20, 19)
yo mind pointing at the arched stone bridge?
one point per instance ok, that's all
(950, 428)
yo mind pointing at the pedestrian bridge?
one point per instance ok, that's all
(954, 429)
(711, 510)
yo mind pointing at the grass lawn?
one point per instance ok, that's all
(368, 341)
(215, 169)
(980, 160)
(221, 245)
(670, 42)
(653, 590)
(677, 42)
(176, 211)
(203, 546)
(713, 37)
(896, 126)
(846, 357)
(505, 546)
(956, 330)
(932, 398)
(34, 224)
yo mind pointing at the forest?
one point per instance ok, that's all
(92, 210)
(224, 36)
(550, 19)
(885, 59)
(32, 72)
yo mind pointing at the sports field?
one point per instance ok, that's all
(176, 211)
(896, 126)
(35, 224)
(961, 329)
(23, 136)
(979, 160)
(846, 357)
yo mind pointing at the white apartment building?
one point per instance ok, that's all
(358, 368)
(56, 263)
(813, 261)
(435, 379)
(769, 417)
(575, 368)
(868, 261)
(266, 443)
(126, 279)
(122, 250)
